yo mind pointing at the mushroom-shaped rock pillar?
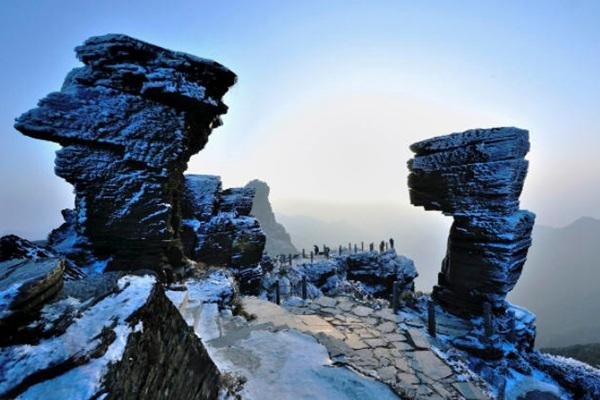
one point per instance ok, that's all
(476, 176)
(128, 121)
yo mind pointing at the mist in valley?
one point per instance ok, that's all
(559, 282)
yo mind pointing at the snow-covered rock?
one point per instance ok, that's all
(218, 230)
(126, 340)
(477, 177)
(367, 273)
(128, 121)
(25, 287)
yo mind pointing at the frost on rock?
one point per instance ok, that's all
(218, 230)
(366, 273)
(13, 247)
(128, 121)
(477, 177)
(25, 287)
(215, 287)
(102, 345)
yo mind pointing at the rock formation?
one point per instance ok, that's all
(369, 273)
(278, 240)
(128, 121)
(25, 287)
(217, 228)
(108, 337)
(477, 177)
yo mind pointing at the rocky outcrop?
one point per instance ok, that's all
(378, 271)
(219, 229)
(278, 240)
(12, 246)
(367, 273)
(25, 287)
(477, 177)
(109, 337)
(128, 121)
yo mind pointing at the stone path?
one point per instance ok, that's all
(372, 342)
(366, 337)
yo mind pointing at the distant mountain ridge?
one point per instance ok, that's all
(587, 353)
(561, 283)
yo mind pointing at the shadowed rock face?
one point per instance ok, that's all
(106, 337)
(477, 177)
(128, 121)
(278, 240)
(217, 227)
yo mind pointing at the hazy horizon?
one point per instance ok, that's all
(330, 96)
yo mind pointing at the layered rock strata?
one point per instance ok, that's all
(128, 121)
(365, 273)
(113, 338)
(219, 230)
(476, 176)
(25, 287)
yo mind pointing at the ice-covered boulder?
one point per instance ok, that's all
(477, 177)
(113, 338)
(129, 120)
(369, 273)
(25, 287)
(378, 271)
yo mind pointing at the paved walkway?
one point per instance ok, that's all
(366, 337)
(372, 342)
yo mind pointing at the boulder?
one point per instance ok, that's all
(116, 339)
(25, 287)
(12, 246)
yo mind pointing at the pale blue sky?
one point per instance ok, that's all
(331, 93)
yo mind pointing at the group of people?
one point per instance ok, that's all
(383, 246)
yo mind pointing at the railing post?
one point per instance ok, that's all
(311, 257)
(277, 294)
(362, 246)
(304, 288)
(395, 296)
(431, 318)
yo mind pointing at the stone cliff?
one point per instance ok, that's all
(278, 240)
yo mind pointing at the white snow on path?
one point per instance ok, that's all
(294, 366)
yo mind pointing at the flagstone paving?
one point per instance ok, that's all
(392, 348)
